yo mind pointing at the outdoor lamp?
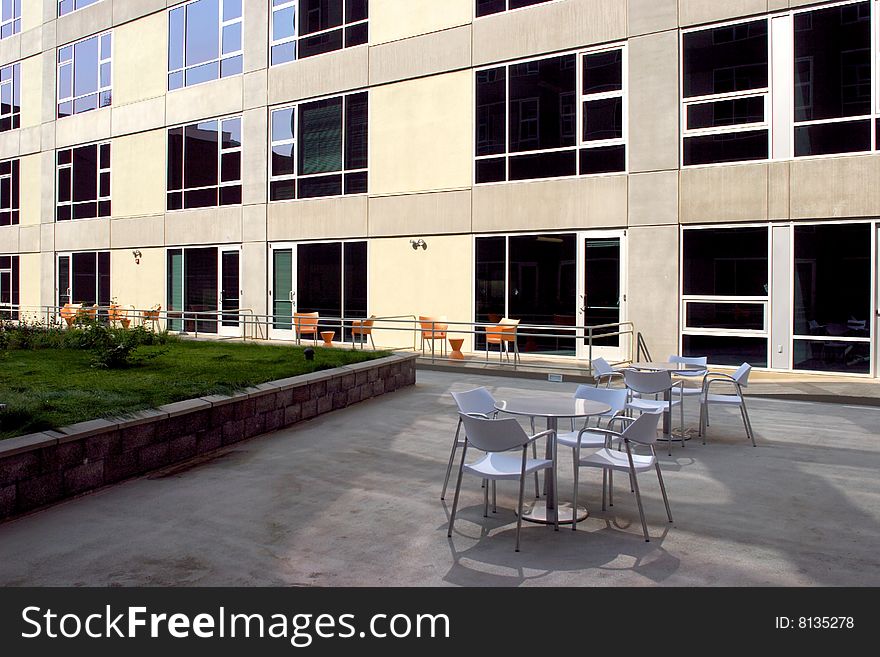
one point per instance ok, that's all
(137, 256)
(419, 243)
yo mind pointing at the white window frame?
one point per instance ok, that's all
(579, 99)
(71, 63)
(13, 19)
(76, 9)
(99, 170)
(11, 308)
(295, 151)
(14, 85)
(507, 8)
(10, 176)
(273, 42)
(69, 255)
(221, 56)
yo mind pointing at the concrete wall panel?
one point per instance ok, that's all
(835, 187)
(330, 218)
(424, 55)
(319, 76)
(83, 23)
(722, 194)
(391, 20)
(653, 198)
(137, 171)
(31, 179)
(140, 60)
(646, 16)
(694, 12)
(204, 226)
(653, 286)
(204, 101)
(137, 232)
(419, 214)
(83, 128)
(82, 235)
(31, 91)
(31, 274)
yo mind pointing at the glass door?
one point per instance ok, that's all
(282, 291)
(84, 278)
(230, 292)
(602, 294)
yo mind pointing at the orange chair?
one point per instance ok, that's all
(434, 328)
(69, 312)
(363, 328)
(117, 314)
(306, 323)
(152, 316)
(89, 313)
(503, 334)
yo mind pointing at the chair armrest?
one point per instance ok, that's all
(621, 418)
(538, 436)
(720, 378)
(482, 416)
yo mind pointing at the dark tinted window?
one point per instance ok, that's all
(604, 159)
(736, 316)
(83, 183)
(828, 138)
(603, 72)
(726, 59)
(9, 192)
(727, 147)
(204, 164)
(832, 356)
(303, 28)
(491, 114)
(726, 350)
(726, 262)
(603, 119)
(542, 102)
(10, 97)
(486, 7)
(726, 112)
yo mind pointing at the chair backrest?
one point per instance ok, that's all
(643, 430)
(505, 330)
(306, 322)
(430, 325)
(647, 383)
(614, 397)
(741, 376)
(601, 366)
(690, 360)
(500, 435)
(478, 400)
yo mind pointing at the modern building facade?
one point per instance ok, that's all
(706, 170)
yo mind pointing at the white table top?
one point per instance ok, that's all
(552, 407)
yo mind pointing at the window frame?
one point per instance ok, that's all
(13, 308)
(295, 143)
(99, 91)
(579, 99)
(98, 171)
(220, 55)
(507, 9)
(58, 13)
(14, 176)
(295, 39)
(14, 82)
(14, 20)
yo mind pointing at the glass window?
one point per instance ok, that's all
(319, 148)
(726, 262)
(10, 18)
(83, 182)
(204, 164)
(67, 6)
(303, 28)
(10, 97)
(84, 278)
(531, 121)
(84, 75)
(726, 93)
(9, 192)
(204, 42)
(9, 290)
(487, 7)
(724, 350)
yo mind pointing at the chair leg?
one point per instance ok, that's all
(486, 501)
(663, 490)
(535, 456)
(611, 488)
(747, 421)
(457, 492)
(451, 460)
(703, 421)
(604, 489)
(522, 485)
(574, 504)
(494, 497)
(641, 510)
(681, 418)
(371, 342)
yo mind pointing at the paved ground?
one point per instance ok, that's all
(351, 498)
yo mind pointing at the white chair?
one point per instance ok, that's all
(478, 401)
(653, 383)
(739, 380)
(700, 361)
(603, 370)
(642, 431)
(496, 438)
(595, 436)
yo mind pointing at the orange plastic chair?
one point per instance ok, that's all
(503, 334)
(152, 316)
(69, 312)
(306, 323)
(363, 328)
(89, 313)
(434, 328)
(117, 314)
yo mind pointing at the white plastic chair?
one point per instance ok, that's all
(653, 383)
(700, 361)
(496, 439)
(595, 437)
(603, 370)
(739, 380)
(642, 431)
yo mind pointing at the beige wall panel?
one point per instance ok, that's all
(48, 279)
(9, 239)
(646, 16)
(254, 156)
(204, 226)
(139, 61)
(32, 14)
(724, 193)
(10, 144)
(256, 34)
(126, 10)
(329, 218)
(10, 49)
(30, 193)
(137, 232)
(597, 202)
(47, 192)
(30, 276)
(653, 102)
(203, 101)
(47, 136)
(82, 235)
(407, 282)
(653, 198)
(835, 187)
(391, 20)
(545, 28)
(83, 128)
(139, 285)
(779, 191)
(30, 140)
(49, 97)
(139, 116)
(253, 223)
(319, 76)
(419, 214)
(137, 172)
(31, 91)
(694, 12)
(84, 22)
(653, 286)
(33, 41)
(256, 93)
(420, 134)
(424, 55)
(47, 237)
(253, 277)
(29, 239)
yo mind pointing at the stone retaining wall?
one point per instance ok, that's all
(42, 468)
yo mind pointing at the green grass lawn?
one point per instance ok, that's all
(50, 388)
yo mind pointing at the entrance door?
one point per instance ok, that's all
(204, 290)
(282, 291)
(230, 292)
(602, 294)
(84, 278)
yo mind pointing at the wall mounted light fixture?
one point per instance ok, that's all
(137, 256)
(419, 244)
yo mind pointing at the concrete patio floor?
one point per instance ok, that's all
(352, 498)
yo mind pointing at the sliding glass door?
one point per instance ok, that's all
(83, 278)
(204, 290)
(9, 298)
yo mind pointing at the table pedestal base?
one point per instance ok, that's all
(539, 513)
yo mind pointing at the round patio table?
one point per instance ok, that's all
(552, 409)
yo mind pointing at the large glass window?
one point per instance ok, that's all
(83, 182)
(10, 18)
(9, 299)
(531, 278)
(303, 28)
(725, 294)
(204, 42)
(726, 93)
(554, 117)
(832, 297)
(67, 6)
(9, 192)
(10, 97)
(204, 164)
(319, 148)
(487, 7)
(84, 75)
(84, 278)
